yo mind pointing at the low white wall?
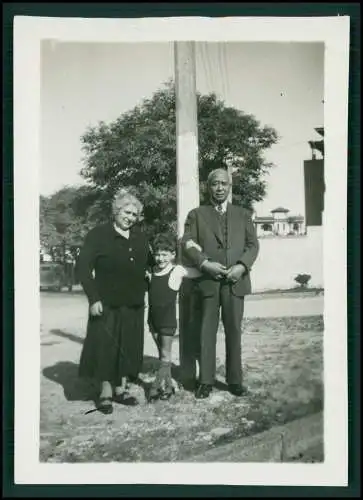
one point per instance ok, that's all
(281, 259)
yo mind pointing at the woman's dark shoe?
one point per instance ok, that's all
(203, 391)
(105, 406)
(126, 399)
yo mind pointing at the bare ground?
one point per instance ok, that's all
(282, 359)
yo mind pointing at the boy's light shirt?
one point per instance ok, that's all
(177, 274)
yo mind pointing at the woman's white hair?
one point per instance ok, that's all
(125, 197)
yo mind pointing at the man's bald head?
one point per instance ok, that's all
(219, 185)
(220, 173)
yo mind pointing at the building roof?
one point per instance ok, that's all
(269, 219)
(296, 218)
(264, 219)
(280, 209)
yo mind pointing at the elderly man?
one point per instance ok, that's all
(227, 236)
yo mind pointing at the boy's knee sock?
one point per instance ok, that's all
(165, 367)
(164, 372)
(167, 374)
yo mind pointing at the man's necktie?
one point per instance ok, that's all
(220, 209)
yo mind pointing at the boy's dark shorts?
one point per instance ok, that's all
(164, 331)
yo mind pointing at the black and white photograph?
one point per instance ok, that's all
(180, 208)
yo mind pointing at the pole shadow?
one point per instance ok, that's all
(66, 335)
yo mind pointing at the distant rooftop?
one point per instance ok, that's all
(271, 219)
(264, 219)
(280, 210)
(296, 218)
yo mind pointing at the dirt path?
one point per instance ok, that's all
(283, 367)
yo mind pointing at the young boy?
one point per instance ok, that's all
(164, 283)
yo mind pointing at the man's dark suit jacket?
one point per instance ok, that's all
(242, 246)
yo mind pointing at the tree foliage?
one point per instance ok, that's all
(63, 226)
(138, 150)
(303, 279)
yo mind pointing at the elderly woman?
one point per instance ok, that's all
(112, 267)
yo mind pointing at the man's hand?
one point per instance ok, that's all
(215, 269)
(235, 272)
(96, 309)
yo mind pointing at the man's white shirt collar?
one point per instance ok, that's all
(223, 205)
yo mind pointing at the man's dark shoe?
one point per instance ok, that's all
(237, 390)
(203, 391)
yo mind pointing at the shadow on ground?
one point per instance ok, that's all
(65, 373)
(75, 388)
(66, 335)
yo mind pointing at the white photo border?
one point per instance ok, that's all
(28, 34)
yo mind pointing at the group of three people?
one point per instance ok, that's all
(117, 264)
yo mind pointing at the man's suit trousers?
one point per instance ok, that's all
(232, 309)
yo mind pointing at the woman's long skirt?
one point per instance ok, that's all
(114, 343)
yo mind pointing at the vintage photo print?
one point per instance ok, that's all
(180, 251)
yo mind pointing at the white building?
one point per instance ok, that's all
(279, 223)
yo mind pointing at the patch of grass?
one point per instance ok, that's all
(283, 368)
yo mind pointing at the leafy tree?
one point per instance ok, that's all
(303, 279)
(62, 225)
(48, 232)
(139, 149)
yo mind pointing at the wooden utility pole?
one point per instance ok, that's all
(186, 131)
(187, 184)
(230, 172)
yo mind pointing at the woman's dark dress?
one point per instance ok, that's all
(114, 343)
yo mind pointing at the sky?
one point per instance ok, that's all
(281, 84)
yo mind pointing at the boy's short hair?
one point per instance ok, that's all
(164, 242)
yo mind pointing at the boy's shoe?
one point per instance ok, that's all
(167, 388)
(154, 397)
(154, 394)
(166, 393)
